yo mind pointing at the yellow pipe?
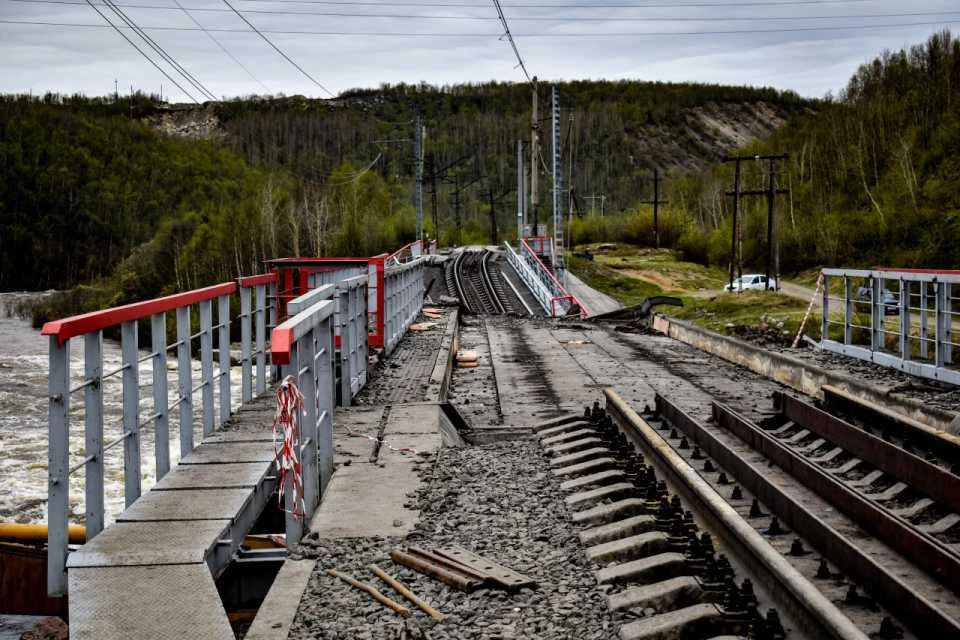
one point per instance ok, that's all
(38, 532)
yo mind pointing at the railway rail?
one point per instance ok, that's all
(785, 436)
(679, 561)
(475, 278)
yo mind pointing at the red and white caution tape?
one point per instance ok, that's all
(384, 443)
(286, 452)
(806, 316)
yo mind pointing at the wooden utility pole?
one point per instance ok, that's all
(770, 192)
(656, 202)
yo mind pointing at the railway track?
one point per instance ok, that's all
(856, 473)
(679, 562)
(476, 280)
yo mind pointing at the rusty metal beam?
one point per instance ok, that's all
(938, 483)
(899, 598)
(920, 548)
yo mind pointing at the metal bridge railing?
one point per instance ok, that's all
(129, 427)
(403, 289)
(904, 319)
(303, 346)
(258, 314)
(351, 332)
(544, 286)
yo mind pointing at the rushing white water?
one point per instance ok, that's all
(23, 422)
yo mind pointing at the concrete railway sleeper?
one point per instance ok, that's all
(884, 585)
(679, 562)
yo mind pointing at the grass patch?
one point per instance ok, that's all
(659, 267)
(765, 310)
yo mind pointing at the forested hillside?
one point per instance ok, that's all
(156, 197)
(874, 174)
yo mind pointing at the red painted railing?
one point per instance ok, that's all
(560, 292)
(96, 320)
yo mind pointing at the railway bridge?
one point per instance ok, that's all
(442, 415)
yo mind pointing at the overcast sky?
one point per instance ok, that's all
(809, 46)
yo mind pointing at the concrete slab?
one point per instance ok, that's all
(187, 504)
(367, 500)
(141, 543)
(214, 476)
(279, 608)
(595, 301)
(221, 452)
(181, 602)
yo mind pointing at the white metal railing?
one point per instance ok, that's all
(402, 298)
(303, 346)
(351, 324)
(884, 316)
(258, 314)
(129, 427)
(544, 286)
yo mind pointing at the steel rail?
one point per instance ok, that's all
(938, 483)
(488, 282)
(889, 589)
(946, 445)
(920, 548)
(791, 590)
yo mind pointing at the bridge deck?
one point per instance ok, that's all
(151, 574)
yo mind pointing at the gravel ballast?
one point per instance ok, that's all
(498, 500)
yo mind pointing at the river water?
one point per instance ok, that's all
(23, 422)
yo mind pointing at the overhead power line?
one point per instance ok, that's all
(278, 50)
(217, 42)
(141, 52)
(153, 44)
(611, 18)
(506, 31)
(582, 34)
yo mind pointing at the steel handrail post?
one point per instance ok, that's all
(184, 380)
(131, 413)
(293, 525)
(246, 346)
(825, 320)
(307, 381)
(223, 311)
(325, 400)
(261, 337)
(346, 345)
(161, 423)
(206, 365)
(93, 434)
(58, 464)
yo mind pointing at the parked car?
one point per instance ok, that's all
(751, 281)
(891, 302)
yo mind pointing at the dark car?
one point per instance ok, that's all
(891, 302)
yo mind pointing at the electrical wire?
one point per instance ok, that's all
(218, 43)
(583, 34)
(141, 51)
(506, 31)
(278, 50)
(153, 44)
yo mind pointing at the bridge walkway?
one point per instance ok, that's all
(151, 574)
